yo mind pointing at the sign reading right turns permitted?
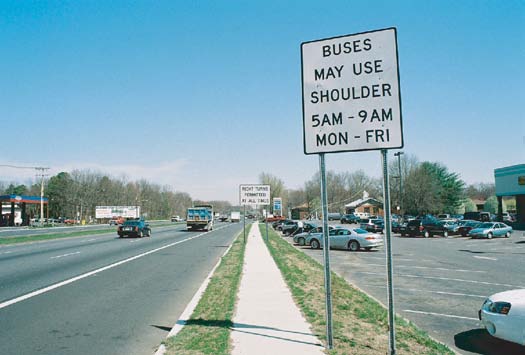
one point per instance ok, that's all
(351, 96)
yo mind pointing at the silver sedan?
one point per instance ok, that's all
(349, 239)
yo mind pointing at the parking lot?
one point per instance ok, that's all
(440, 283)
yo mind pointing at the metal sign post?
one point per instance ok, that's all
(244, 223)
(253, 195)
(389, 266)
(352, 102)
(266, 227)
(326, 252)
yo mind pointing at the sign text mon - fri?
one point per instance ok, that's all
(351, 97)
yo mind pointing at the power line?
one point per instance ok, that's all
(23, 167)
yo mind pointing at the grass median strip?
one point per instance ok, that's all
(48, 236)
(360, 324)
(208, 329)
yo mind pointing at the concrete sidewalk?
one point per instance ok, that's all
(267, 321)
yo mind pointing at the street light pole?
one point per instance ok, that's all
(398, 155)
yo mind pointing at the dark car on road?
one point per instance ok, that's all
(350, 218)
(426, 227)
(134, 228)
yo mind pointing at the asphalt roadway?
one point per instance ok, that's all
(99, 294)
(440, 283)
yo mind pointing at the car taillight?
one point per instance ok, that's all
(370, 238)
(136, 229)
(421, 228)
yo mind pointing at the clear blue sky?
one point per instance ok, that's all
(203, 96)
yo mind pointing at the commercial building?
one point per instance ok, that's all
(510, 181)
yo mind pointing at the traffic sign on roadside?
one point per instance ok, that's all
(254, 195)
(351, 96)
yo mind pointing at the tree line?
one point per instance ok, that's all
(417, 187)
(79, 192)
(426, 187)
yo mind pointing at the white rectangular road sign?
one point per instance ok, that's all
(351, 96)
(253, 195)
(117, 211)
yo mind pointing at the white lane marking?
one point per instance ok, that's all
(484, 257)
(83, 276)
(440, 314)
(428, 291)
(89, 240)
(382, 258)
(428, 267)
(61, 256)
(443, 278)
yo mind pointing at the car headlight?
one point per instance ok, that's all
(497, 307)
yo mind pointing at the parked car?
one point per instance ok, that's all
(507, 217)
(398, 227)
(306, 228)
(315, 234)
(375, 225)
(349, 239)
(271, 219)
(479, 216)
(503, 315)
(289, 227)
(300, 238)
(426, 227)
(350, 218)
(491, 229)
(332, 216)
(134, 228)
(466, 226)
(279, 224)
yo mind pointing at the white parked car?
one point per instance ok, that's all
(349, 238)
(503, 315)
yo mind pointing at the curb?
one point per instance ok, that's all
(188, 311)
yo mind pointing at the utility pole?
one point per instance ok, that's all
(42, 175)
(398, 155)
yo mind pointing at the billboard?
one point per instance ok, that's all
(117, 211)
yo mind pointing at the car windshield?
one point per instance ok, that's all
(486, 225)
(360, 231)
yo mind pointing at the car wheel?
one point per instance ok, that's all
(507, 235)
(353, 245)
(141, 234)
(301, 241)
(149, 233)
(314, 244)
(489, 236)
(426, 234)
(445, 234)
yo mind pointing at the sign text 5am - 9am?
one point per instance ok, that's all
(351, 96)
